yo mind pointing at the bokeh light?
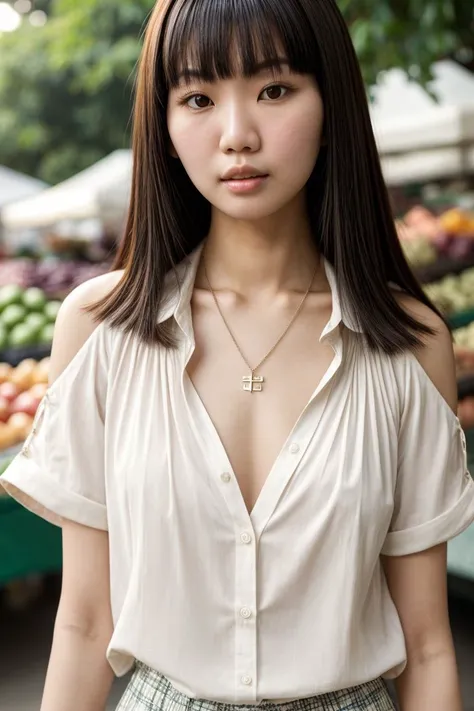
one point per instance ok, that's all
(38, 18)
(10, 20)
(22, 6)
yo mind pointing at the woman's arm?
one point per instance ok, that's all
(79, 677)
(418, 582)
(418, 587)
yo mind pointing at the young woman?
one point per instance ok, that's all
(250, 439)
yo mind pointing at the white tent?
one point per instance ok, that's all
(101, 192)
(17, 186)
(419, 138)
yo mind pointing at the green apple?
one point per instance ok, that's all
(13, 315)
(36, 321)
(21, 335)
(46, 334)
(51, 310)
(3, 338)
(34, 299)
(10, 294)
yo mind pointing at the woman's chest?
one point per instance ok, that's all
(251, 414)
(195, 441)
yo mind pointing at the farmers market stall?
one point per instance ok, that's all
(101, 191)
(28, 544)
(421, 139)
(15, 186)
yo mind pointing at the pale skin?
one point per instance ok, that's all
(260, 260)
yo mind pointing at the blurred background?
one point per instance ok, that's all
(67, 72)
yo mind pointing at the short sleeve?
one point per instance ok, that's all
(434, 491)
(59, 474)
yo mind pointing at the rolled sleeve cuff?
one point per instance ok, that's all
(439, 530)
(44, 496)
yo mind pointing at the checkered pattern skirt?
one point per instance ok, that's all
(149, 690)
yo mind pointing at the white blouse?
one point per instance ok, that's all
(291, 600)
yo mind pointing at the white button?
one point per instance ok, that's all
(225, 477)
(245, 538)
(246, 613)
(295, 448)
(247, 680)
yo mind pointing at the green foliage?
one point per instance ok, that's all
(410, 34)
(66, 88)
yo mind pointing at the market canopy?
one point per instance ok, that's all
(419, 138)
(17, 186)
(101, 191)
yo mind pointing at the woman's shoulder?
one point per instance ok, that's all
(435, 355)
(75, 324)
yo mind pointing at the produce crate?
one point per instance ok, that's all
(442, 267)
(14, 356)
(461, 548)
(465, 386)
(28, 544)
(463, 318)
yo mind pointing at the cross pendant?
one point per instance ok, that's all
(252, 383)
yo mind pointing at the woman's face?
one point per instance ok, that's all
(272, 123)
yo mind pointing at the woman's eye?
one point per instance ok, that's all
(200, 101)
(274, 92)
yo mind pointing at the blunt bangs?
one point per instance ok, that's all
(226, 38)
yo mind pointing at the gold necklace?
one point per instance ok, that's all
(254, 383)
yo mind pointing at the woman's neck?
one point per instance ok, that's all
(259, 261)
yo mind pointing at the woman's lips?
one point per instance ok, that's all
(245, 185)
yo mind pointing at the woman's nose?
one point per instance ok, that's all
(239, 132)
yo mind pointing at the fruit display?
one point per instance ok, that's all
(419, 251)
(418, 222)
(464, 356)
(26, 317)
(21, 390)
(453, 294)
(464, 339)
(450, 235)
(54, 276)
(57, 277)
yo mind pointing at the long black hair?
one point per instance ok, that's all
(347, 200)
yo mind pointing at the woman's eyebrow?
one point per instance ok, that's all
(275, 63)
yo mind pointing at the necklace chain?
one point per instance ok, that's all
(272, 349)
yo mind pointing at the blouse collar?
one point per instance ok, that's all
(179, 285)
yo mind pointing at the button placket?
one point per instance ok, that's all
(246, 617)
(284, 469)
(288, 461)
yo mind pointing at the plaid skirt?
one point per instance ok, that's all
(148, 690)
